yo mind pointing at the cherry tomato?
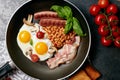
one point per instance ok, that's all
(100, 19)
(94, 9)
(113, 20)
(105, 41)
(103, 3)
(103, 30)
(40, 35)
(112, 9)
(8, 78)
(115, 31)
(34, 57)
(117, 42)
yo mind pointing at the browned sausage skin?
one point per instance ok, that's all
(49, 18)
(45, 14)
(52, 22)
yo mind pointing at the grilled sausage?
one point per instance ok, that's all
(52, 22)
(45, 14)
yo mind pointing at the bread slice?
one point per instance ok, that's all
(81, 75)
(92, 72)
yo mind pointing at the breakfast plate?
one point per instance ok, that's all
(40, 70)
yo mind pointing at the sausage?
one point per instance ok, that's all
(52, 22)
(45, 14)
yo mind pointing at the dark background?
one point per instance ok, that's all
(105, 59)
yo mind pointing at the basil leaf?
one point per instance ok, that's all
(77, 28)
(55, 7)
(68, 25)
(68, 12)
(72, 22)
(59, 10)
(31, 42)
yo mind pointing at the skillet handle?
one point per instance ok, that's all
(6, 68)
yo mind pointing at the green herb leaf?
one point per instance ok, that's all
(63, 12)
(31, 42)
(59, 10)
(77, 28)
(68, 25)
(68, 12)
(72, 22)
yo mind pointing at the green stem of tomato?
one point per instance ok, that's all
(110, 36)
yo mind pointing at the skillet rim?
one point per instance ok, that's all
(89, 36)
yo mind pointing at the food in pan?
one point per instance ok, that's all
(64, 55)
(54, 39)
(30, 44)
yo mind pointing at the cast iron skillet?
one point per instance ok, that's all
(40, 70)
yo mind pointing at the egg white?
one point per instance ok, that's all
(48, 43)
(35, 40)
(23, 46)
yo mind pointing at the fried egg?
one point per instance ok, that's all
(27, 41)
(42, 48)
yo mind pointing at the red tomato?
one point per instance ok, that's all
(94, 9)
(113, 20)
(100, 19)
(34, 57)
(8, 78)
(115, 31)
(105, 41)
(117, 42)
(103, 3)
(112, 9)
(103, 30)
(40, 35)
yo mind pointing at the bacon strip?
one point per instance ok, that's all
(64, 55)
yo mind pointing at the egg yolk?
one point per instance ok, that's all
(41, 48)
(24, 36)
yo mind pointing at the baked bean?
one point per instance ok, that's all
(57, 36)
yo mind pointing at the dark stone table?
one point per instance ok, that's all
(104, 59)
